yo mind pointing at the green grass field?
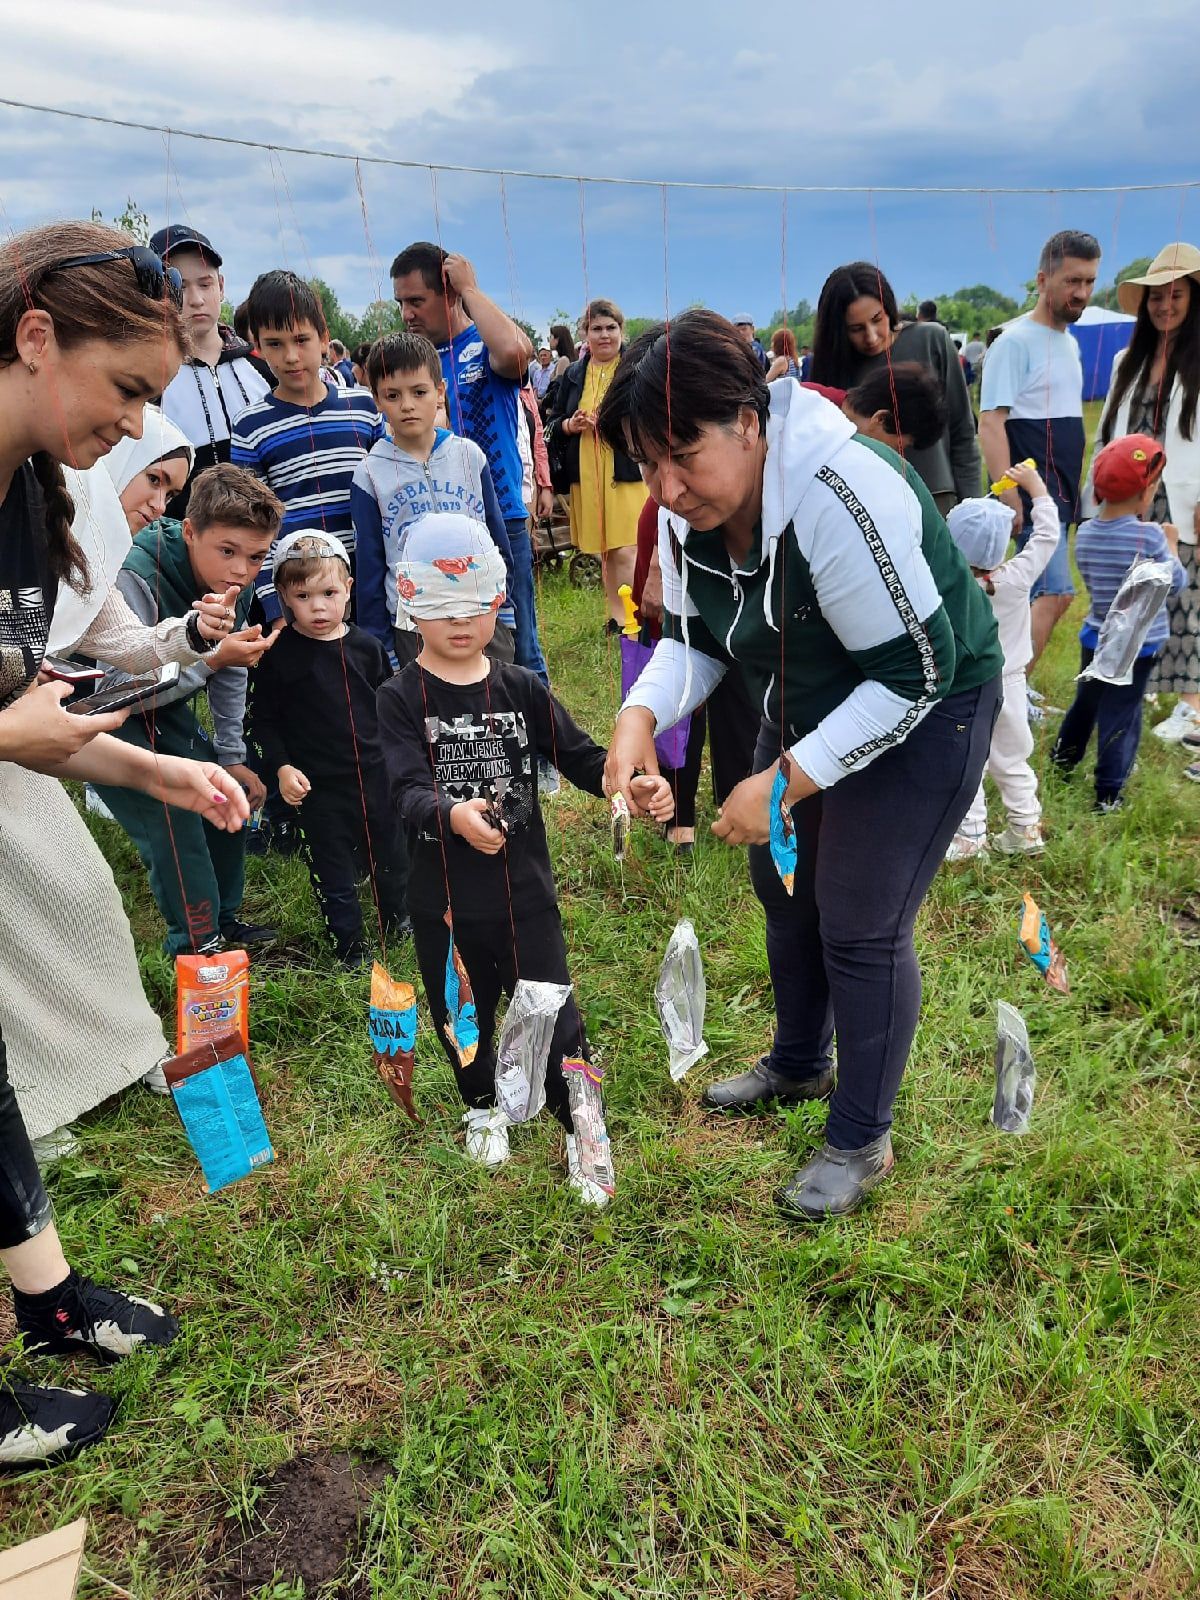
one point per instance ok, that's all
(984, 1386)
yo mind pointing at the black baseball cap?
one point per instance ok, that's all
(179, 237)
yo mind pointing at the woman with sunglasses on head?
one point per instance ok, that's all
(113, 1026)
(89, 330)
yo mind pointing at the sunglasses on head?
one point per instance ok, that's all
(154, 279)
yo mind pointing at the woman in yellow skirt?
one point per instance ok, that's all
(606, 489)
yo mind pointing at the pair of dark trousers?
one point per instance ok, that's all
(197, 872)
(345, 829)
(1114, 711)
(494, 963)
(840, 948)
(24, 1203)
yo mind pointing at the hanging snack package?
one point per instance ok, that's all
(1035, 940)
(587, 1116)
(217, 1099)
(461, 1026)
(783, 829)
(212, 998)
(393, 1025)
(1016, 1077)
(620, 825)
(524, 1047)
(1142, 594)
(680, 997)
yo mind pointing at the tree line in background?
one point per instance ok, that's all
(969, 311)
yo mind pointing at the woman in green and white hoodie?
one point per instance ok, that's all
(814, 559)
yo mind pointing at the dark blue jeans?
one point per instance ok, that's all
(529, 650)
(1115, 711)
(840, 948)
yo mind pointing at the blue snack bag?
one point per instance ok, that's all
(461, 1026)
(783, 829)
(217, 1099)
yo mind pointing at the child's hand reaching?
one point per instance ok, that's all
(1029, 479)
(1171, 535)
(652, 793)
(468, 819)
(293, 785)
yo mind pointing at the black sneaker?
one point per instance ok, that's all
(82, 1315)
(237, 935)
(41, 1425)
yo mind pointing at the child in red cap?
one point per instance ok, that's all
(1125, 475)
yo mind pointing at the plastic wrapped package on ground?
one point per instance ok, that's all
(217, 1099)
(1016, 1077)
(524, 1047)
(680, 996)
(1142, 595)
(1034, 938)
(212, 998)
(584, 1079)
(393, 1025)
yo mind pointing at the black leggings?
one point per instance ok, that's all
(487, 953)
(840, 948)
(24, 1203)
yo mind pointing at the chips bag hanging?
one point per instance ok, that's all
(1035, 940)
(620, 825)
(524, 1047)
(212, 998)
(587, 1118)
(461, 1026)
(393, 1025)
(783, 829)
(217, 1099)
(1143, 591)
(1016, 1077)
(680, 997)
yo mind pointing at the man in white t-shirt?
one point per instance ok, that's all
(1031, 405)
(219, 380)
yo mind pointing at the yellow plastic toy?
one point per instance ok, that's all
(625, 595)
(1004, 484)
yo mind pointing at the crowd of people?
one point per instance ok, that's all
(333, 549)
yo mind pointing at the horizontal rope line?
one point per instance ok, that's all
(578, 177)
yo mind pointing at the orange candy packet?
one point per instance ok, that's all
(212, 999)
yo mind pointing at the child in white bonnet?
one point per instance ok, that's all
(982, 530)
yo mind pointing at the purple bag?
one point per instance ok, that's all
(672, 746)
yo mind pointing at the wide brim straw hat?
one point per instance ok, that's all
(1172, 261)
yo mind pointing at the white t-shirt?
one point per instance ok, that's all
(1035, 374)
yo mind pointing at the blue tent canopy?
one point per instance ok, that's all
(1101, 336)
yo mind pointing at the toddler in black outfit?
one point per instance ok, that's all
(313, 717)
(462, 736)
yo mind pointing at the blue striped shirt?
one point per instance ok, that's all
(308, 456)
(1105, 549)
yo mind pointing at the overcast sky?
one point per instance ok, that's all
(778, 93)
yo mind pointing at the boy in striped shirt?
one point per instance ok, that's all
(1125, 477)
(304, 439)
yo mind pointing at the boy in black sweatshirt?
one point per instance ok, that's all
(462, 736)
(313, 717)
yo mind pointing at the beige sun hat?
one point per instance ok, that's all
(1172, 261)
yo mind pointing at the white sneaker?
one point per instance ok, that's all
(156, 1079)
(1182, 720)
(1016, 841)
(54, 1146)
(487, 1136)
(587, 1191)
(965, 848)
